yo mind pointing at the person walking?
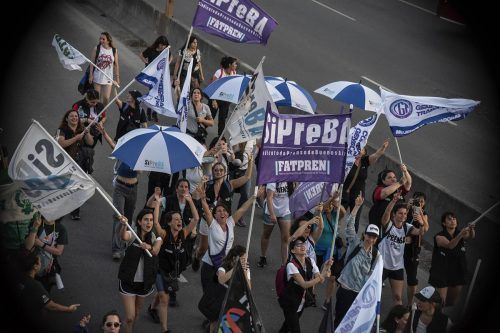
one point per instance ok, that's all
(106, 58)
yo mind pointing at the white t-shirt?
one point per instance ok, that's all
(392, 246)
(105, 61)
(221, 73)
(291, 269)
(217, 239)
(280, 199)
(192, 125)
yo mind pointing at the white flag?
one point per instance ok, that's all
(358, 137)
(363, 311)
(184, 99)
(156, 76)
(406, 114)
(69, 57)
(44, 171)
(247, 120)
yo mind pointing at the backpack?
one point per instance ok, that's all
(281, 281)
(384, 234)
(343, 262)
(84, 83)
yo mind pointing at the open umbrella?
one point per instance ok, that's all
(231, 88)
(352, 93)
(294, 95)
(159, 148)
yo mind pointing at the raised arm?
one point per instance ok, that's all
(194, 220)
(316, 234)
(387, 213)
(236, 183)
(156, 219)
(373, 158)
(350, 230)
(203, 199)
(241, 211)
(300, 230)
(406, 177)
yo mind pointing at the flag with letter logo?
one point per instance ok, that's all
(53, 183)
(156, 76)
(239, 21)
(69, 57)
(358, 137)
(184, 99)
(406, 114)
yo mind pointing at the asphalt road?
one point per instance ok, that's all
(403, 46)
(37, 86)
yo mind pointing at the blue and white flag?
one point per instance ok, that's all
(406, 114)
(156, 76)
(69, 57)
(363, 311)
(184, 99)
(358, 137)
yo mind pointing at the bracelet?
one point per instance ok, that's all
(159, 238)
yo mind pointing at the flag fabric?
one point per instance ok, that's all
(239, 21)
(239, 313)
(247, 120)
(69, 57)
(156, 76)
(326, 325)
(358, 137)
(303, 148)
(308, 195)
(184, 99)
(406, 114)
(363, 311)
(47, 175)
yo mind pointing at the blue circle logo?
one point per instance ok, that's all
(368, 121)
(401, 108)
(160, 64)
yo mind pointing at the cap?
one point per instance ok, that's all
(428, 294)
(372, 229)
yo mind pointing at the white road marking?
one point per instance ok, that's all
(418, 7)
(389, 90)
(333, 10)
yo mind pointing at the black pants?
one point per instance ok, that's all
(345, 298)
(291, 323)
(207, 276)
(223, 112)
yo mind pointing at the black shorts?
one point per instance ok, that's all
(411, 268)
(134, 289)
(398, 274)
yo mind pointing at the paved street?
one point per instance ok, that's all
(40, 88)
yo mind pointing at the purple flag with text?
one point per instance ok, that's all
(308, 195)
(303, 148)
(239, 21)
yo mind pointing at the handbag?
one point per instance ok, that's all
(84, 83)
(201, 133)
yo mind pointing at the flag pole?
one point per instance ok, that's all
(483, 214)
(100, 70)
(469, 292)
(109, 104)
(399, 151)
(251, 222)
(54, 141)
(184, 54)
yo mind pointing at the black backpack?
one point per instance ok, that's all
(354, 252)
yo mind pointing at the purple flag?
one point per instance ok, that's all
(309, 195)
(239, 21)
(303, 148)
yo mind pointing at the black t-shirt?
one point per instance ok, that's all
(360, 182)
(150, 54)
(32, 295)
(130, 119)
(74, 148)
(87, 114)
(53, 234)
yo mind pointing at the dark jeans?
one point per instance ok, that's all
(291, 323)
(345, 298)
(124, 199)
(207, 276)
(223, 112)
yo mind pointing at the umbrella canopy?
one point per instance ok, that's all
(231, 88)
(352, 93)
(159, 148)
(294, 95)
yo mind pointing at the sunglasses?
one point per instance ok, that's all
(115, 324)
(218, 170)
(300, 245)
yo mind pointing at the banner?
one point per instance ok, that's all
(156, 76)
(363, 311)
(247, 120)
(239, 21)
(406, 114)
(69, 57)
(51, 180)
(239, 313)
(184, 100)
(358, 137)
(308, 195)
(303, 148)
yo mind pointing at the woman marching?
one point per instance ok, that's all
(106, 58)
(137, 272)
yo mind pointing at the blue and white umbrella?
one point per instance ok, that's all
(159, 148)
(294, 95)
(231, 88)
(352, 93)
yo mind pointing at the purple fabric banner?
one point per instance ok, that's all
(309, 195)
(303, 148)
(239, 21)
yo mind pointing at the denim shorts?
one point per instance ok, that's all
(267, 219)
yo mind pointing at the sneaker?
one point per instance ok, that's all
(195, 264)
(116, 256)
(173, 300)
(262, 262)
(75, 216)
(241, 223)
(153, 313)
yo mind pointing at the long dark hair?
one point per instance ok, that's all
(382, 175)
(148, 236)
(397, 312)
(160, 40)
(64, 123)
(229, 260)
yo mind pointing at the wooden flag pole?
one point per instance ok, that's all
(399, 151)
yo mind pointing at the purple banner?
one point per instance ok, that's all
(309, 195)
(303, 148)
(239, 21)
